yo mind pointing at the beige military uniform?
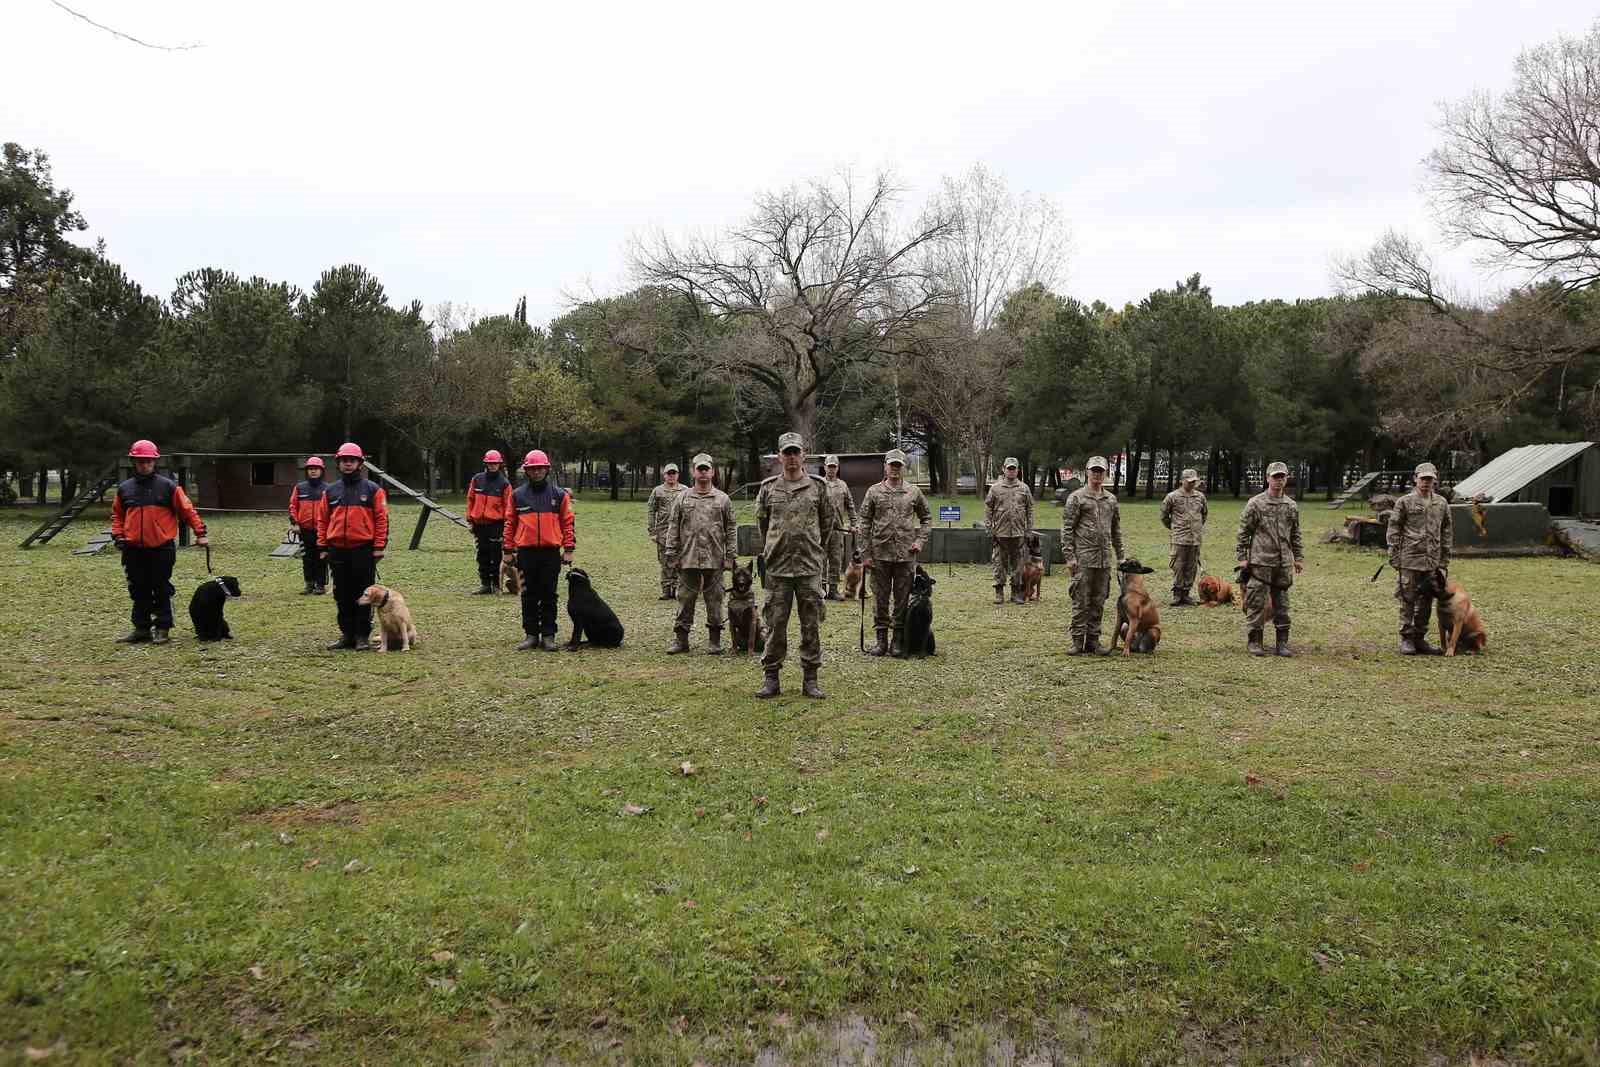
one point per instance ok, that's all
(893, 519)
(796, 521)
(1184, 514)
(656, 511)
(1091, 537)
(1420, 538)
(1269, 540)
(844, 520)
(1008, 513)
(700, 539)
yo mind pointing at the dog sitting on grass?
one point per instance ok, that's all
(592, 617)
(205, 608)
(1460, 625)
(743, 617)
(510, 577)
(852, 577)
(1033, 568)
(396, 631)
(919, 616)
(1138, 619)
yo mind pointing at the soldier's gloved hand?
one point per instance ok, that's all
(120, 542)
(566, 555)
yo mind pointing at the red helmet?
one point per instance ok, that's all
(314, 461)
(536, 458)
(493, 456)
(350, 450)
(143, 449)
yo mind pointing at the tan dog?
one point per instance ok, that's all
(1215, 591)
(1033, 569)
(1138, 620)
(852, 578)
(1460, 625)
(510, 577)
(395, 628)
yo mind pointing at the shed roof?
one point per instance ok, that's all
(1510, 471)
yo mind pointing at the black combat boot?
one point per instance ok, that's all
(769, 685)
(363, 644)
(809, 686)
(1179, 599)
(882, 647)
(1091, 646)
(1075, 647)
(547, 643)
(679, 643)
(139, 635)
(999, 595)
(1283, 643)
(1425, 649)
(1254, 644)
(484, 589)
(897, 648)
(1408, 647)
(714, 644)
(309, 590)
(344, 644)
(529, 643)
(159, 636)
(1016, 595)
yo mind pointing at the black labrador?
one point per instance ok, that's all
(591, 617)
(919, 615)
(205, 608)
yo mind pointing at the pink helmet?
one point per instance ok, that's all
(536, 458)
(350, 450)
(313, 461)
(143, 449)
(493, 456)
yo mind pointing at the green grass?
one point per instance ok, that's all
(1196, 856)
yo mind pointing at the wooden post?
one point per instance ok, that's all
(422, 524)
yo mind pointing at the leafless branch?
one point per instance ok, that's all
(126, 36)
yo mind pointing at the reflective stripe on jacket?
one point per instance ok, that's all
(488, 497)
(353, 514)
(303, 503)
(540, 518)
(146, 511)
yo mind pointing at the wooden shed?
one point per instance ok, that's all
(859, 470)
(1565, 478)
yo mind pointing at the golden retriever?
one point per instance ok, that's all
(395, 628)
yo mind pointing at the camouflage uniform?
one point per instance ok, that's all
(796, 521)
(892, 520)
(656, 512)
(1184, 513)
(844, 520)
(1269, 541)
(700, 537)
(1420, 538)
(1091, 537)
(1008, 513)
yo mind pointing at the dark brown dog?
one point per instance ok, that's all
(510, 577)
(1460, 625)
(1215, 591)
(1033, 569)
(1138, 621)
(743, 617)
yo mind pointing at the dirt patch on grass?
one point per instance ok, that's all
(343, 812)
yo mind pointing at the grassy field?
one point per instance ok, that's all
(266, 852)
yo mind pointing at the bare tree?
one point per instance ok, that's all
(821, 279)
(1520, 172)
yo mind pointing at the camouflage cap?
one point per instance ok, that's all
(791, 440)
(1011, 461)
(1096, 461)
(831, 461)
(894, 455)
(1190, 474)
(670, 468)
(1277, 466)
(703, 460)
(1427, 470)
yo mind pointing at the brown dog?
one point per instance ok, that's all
(1138, 621)
(852, 578)
(510, 577)
(1460, 625)
(1033, 569)
(395, 628)
(1215, 591)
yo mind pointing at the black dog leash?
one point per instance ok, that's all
(208, 557)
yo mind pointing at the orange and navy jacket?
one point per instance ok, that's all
(146, 512)
(488, 498)
(353, 514)
(540, 518)
(303, 502)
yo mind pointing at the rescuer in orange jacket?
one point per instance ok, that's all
(352, 531)
(539, 529)
(303, 500)
(144, 524)
(488, 504)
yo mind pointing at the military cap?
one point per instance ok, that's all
(1277, 467)
(1096, 461)
(1427, 470)
(791, 440)
(831, 461)
(894, 455)
(1011, 461)
(670, 468)
(703, 460)
(1190, 474)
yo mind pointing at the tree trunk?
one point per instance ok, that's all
(1238, 473)
(1133, 451)
(43, 485)
(611, 475)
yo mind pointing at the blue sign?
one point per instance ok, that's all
(949, 513)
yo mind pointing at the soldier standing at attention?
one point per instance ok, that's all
(796, 520)
(303, 514)
(1091, 544)
(844, 523)
(1420, 538)
(700, 536)
(1008, 512)
(542, 531)
(145, 515)
(1184, 511)
(1269, 545)
(656, 511)
(895, 523)
(488, 500)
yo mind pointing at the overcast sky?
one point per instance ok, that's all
(475, 152)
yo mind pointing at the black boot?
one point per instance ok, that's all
(547, 643)
(344, 644)
(714, 642)
(363, 644)
(999, 595)
(529, 643)
(1091, 646)
(159, 636)
(882, 647)
(139, 635)
(679, 642)
(1016, 595)
(1283, 643)
(1408, 647)
(1253, 645)
(484, 589)
(769, 686)
(309, 590)
(809, 686)
(1425, 649)
(897, 648)
(1075, 647)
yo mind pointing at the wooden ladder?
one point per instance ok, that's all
(1361, 484)
(429, 506)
